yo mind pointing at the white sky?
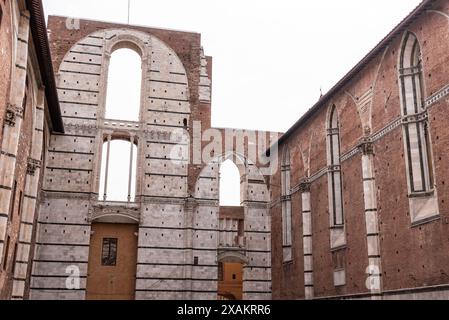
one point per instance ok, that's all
(270, 57)
(124, 75)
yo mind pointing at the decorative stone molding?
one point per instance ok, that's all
(366, 147)
(415, 118)
(350, 154)
(32, 166)
(85, 128)
(334, 168)
(255, 204)
(111, 209)
(190, 204)
(386, 130)
(158, 135)
(49, 195)
(232, 256)
(304, 186)
(437, 96)
(12, 112)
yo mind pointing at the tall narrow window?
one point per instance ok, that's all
(415, 122)
(124, 86)
(118, 171)
(5, 258)
(286, 206)
(109, 252)
(13, 201)
(220, 271)
(229, 184)
(334, 176)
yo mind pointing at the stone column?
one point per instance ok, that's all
(13, 126)
(29, 200)
(307, 233)
(374, 270)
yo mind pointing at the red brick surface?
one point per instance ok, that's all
(5, 59)
(411, 256)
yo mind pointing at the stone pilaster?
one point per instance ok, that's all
(307, 233)
(29, 201)
(374, 270)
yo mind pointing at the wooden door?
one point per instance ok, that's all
(112, 262)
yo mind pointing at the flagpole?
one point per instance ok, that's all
(129, 8)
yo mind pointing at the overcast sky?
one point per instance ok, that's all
(271, 58)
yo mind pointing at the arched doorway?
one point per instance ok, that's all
(243, 231)
(230, 274)
(112, 263)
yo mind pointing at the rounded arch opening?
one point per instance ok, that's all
(124, 83)
(230, 189)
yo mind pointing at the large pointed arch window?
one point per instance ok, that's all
(334, 176)
(415, 122)
(286, 206)
(124, 86)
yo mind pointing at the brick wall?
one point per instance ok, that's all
(5, 59)
(412, 256)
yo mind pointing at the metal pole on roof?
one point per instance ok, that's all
(129, 9)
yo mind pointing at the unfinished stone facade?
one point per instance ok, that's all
(369, 197)
(356, 207)
(176, 208)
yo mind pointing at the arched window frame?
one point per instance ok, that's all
(416, 134)
(335, 182)
(106, 149)
(123, 41)
(239, 182)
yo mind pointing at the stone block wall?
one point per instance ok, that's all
(178, 205)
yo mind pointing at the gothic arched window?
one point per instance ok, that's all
(415, 124)
(335, 181)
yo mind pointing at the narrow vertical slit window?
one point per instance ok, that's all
(220, 271)
(13, 201)
(5, 258)
(286, 206)
(109, 252)
(1, 16)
